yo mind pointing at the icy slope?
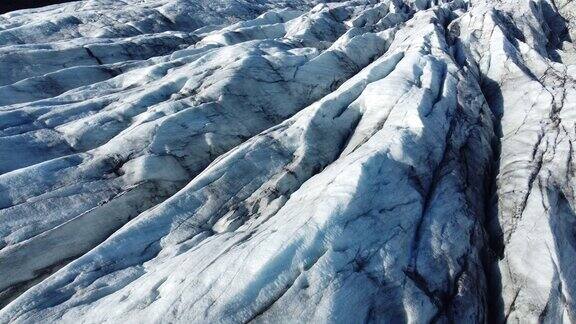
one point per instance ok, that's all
(288, 161)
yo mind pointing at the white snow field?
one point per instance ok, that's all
(279, 161)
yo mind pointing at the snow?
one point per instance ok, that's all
(287, 161)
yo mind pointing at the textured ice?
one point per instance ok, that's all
(288, 161)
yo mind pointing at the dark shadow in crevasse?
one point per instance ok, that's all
(557, 30)
(495, 249)
(562, 222)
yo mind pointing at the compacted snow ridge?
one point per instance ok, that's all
(288, 161)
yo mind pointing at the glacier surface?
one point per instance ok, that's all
(288, 161)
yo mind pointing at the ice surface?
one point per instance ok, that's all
(288, 161)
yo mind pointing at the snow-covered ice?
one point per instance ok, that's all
(288, 161)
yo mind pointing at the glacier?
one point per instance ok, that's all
(199, 161)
